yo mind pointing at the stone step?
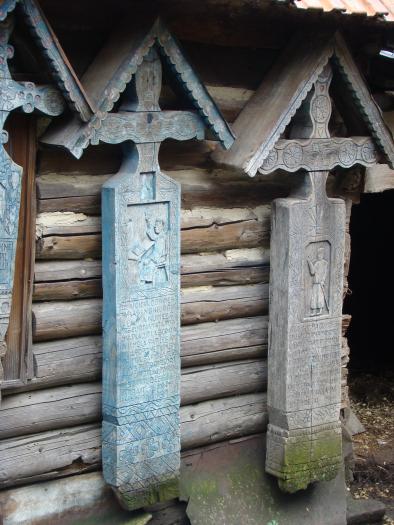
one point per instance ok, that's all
(364, 511)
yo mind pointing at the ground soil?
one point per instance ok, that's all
(371, 398)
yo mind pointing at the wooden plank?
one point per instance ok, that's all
(58, 453)
(67, 406)
(61, 319)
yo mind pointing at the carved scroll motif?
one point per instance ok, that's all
(28, 97)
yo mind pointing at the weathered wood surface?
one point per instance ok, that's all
(80, 192)
(378, 178)
(77, 236)
(61, 319)
(58, 453)
(67, 406)
(57, 320)
(223, 341)
(65, 280)
(78, 359)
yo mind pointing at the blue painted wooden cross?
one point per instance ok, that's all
(141, 284)
(25, 96)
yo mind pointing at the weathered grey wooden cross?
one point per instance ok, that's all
(14, 95)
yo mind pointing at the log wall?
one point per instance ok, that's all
(50, 427)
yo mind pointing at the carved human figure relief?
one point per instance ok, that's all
(318, 269)
(151, 252)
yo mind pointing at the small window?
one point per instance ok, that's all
(21, 146)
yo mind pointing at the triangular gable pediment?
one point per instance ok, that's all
(62, 72)
(113, 69)
(267, 114)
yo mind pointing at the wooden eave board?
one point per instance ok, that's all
(369, 111)
(113, 69)
(60, 67)
(58, 63)
(268, 112)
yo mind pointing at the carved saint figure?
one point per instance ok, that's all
(152, 254)
(318, 270)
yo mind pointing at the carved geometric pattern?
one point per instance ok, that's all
(320, 154)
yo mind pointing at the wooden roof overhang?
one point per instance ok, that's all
(61, 69)
(112, 70)
(266, 115)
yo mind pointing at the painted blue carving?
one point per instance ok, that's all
(28, 97)
(6, 7)
(76, 136)
(141, 285)
(61, 69)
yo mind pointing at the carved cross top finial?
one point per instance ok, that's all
(315, 150)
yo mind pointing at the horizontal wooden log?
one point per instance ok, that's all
(70, 247)
(67, 406)
(200, 305)
(58, 320)
(78, 359)
(61, 319)
(73, 360)
(66, 280)
(75, 236)
(206, 343)
(64, 192)
(207, 382)
(68, 290)
(50, 271)
(58, 453)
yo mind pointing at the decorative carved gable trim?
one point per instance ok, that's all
(61, 68)
(264, 118)
(369, 110)
(114, 68)
(6, 7)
